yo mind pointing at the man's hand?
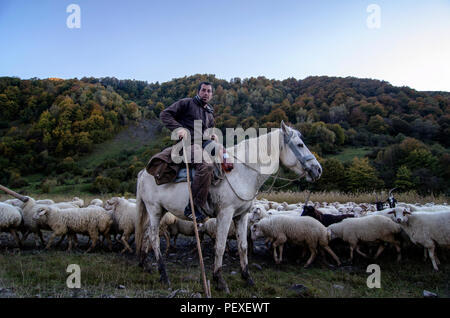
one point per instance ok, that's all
(214, 137)
(182, 133)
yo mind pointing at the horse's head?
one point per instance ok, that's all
(296, 156)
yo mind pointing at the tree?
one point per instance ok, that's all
(377, 125)
(403, 179)
(361, 176)
(333, 176)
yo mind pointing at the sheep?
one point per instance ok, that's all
(287, 207)
(325, 219)
(367, 229)
(328, 210)
(10, 220)
(92, 221)
(258, 212)
(96, 202)
(14, 202)
(31, 225)
(210, 226)
(46, 202)
(124, 214)
(64, 205)
(77, 201)
(171, 226)
(426, 229)
(280, 229)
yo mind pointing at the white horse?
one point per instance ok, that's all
(230, 200)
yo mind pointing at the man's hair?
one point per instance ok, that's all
(204, 83)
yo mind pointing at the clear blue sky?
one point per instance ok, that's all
(160, 40)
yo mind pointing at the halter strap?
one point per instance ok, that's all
(303, 159)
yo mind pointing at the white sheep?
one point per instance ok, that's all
(281, 229)
(210, 227)
(172, 226)
(124, 214)
(10, 220)
(96, 202)
(77, 201)
(426, 229)
(91, 221)
(15, 202)
(45, 201)
(366, 229)
(31, 225)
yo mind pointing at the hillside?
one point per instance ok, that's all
(49, 128)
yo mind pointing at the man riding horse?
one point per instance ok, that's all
(180, 116)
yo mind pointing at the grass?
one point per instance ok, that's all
(37, 273)
(348, 154)
(130, 139)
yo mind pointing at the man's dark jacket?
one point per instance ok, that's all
(184, 112)
(179, 114)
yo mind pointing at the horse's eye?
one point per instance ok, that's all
(300, 145)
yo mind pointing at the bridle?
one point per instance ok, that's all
(288, 140)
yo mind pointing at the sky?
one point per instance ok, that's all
(404, 42)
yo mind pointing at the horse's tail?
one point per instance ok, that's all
(142, 219)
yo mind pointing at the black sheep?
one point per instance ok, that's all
(325, 219)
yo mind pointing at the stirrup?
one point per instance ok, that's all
(199, 216)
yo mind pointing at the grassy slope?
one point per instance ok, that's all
(347, 154)
(132, 138)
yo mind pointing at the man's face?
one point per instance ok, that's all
(205, 93)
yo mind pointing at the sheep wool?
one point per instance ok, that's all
(10, 220)
(281, 229)
(426, 229)
(368, 229)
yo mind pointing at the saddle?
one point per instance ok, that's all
(164, 170)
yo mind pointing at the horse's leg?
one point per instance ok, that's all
(154, 213)
(240, 224)
(223, 226)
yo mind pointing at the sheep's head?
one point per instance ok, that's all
(256, 213)
(112, 203)
(399, 215)
(309, 210)
(256, 231)
(41, 213)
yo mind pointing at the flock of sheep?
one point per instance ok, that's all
(317, 224)
(312, 225)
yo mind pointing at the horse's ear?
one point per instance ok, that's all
(284, 128)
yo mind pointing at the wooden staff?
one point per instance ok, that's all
(199, 248)
(14, 194)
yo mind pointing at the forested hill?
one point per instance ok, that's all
(44, 122)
